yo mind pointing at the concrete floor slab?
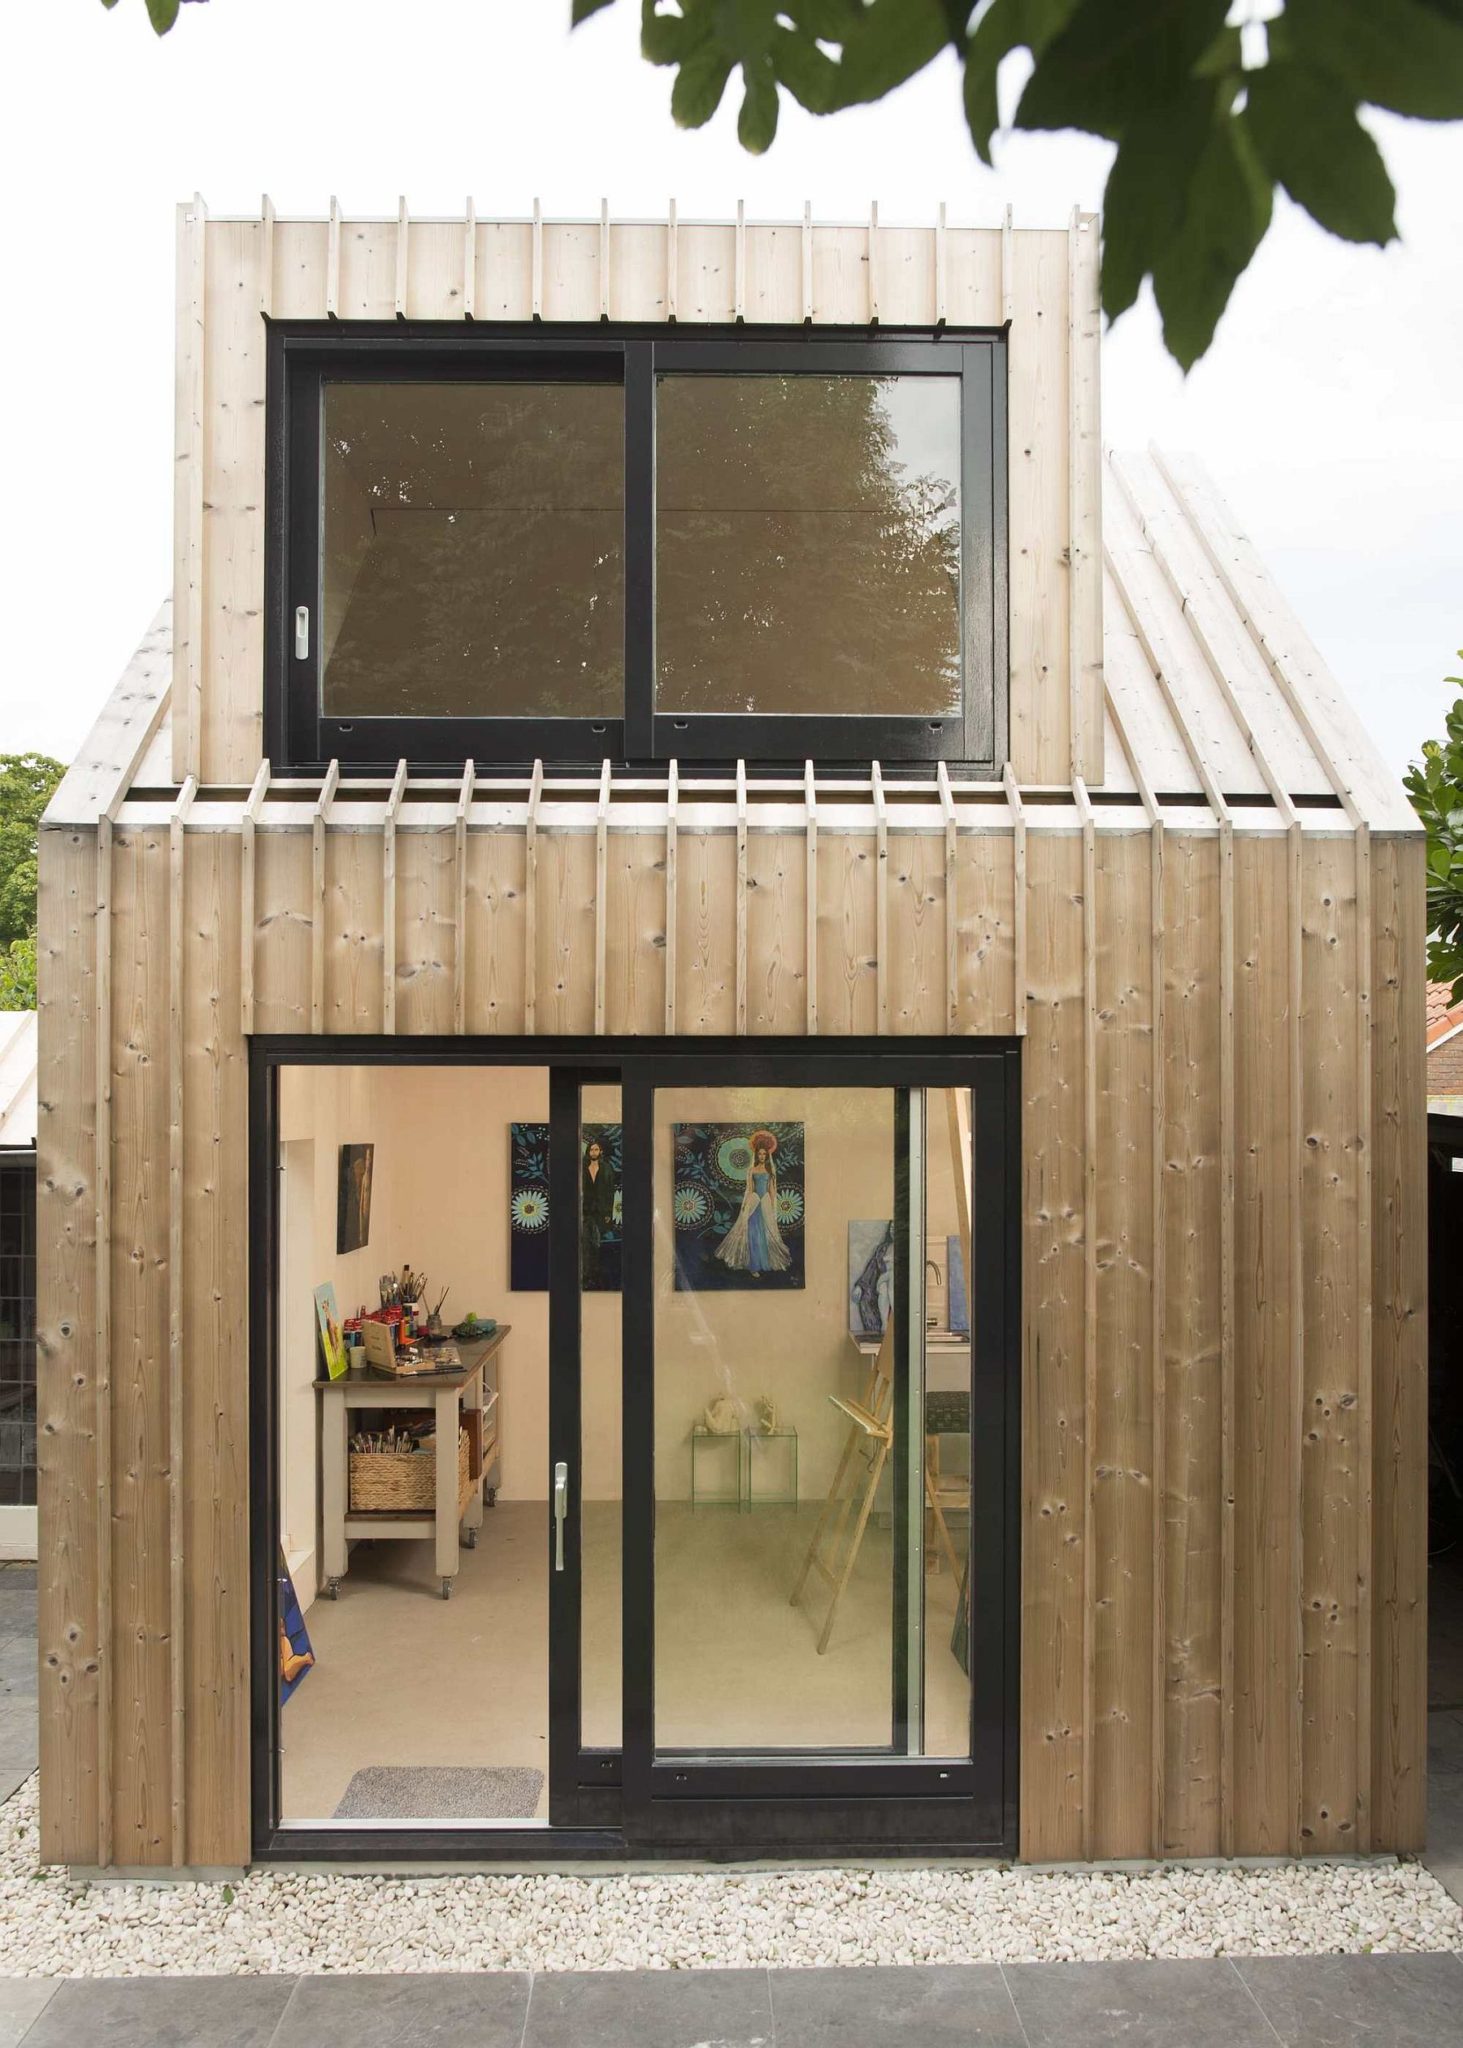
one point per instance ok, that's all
(1143, 2005)
(1359, 2001)
(937, 2006)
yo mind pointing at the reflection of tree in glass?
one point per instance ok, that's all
(808, 544)
(473, 544)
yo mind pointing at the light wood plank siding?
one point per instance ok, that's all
(345, 269)
(66, 1345)
(1104, 1608)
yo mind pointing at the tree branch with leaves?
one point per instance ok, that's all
(26, 784)
(1209, 106)
(1436, 788)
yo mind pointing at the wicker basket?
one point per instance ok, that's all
(395, 1482)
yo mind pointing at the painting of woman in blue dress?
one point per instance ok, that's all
(754, 1243)
(738, 1206)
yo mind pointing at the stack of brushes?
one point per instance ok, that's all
(386, 1442)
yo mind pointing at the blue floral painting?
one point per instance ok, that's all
(600, 1234)
(738, 1206)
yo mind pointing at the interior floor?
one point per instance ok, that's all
(403, 1678)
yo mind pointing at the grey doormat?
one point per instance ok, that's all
(440, 1792)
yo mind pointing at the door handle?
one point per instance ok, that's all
(561, 1510)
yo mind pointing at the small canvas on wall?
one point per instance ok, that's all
(600, 1235)
(353, 1199)
(738, 1206)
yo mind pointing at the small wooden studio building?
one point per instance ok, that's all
(706, 678)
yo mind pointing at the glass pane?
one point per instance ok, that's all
(600, 1240)
(472, 550)
(808, 545)
(410, 1699)
(769, 1206)
(947, 1408)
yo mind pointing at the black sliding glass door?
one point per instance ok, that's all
(819, 1549)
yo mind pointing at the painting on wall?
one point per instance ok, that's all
(959, 1305)
(870, 1275)
(600, 1233)
(738, 1206)
(295, 1654)
(871, 1279)
(332, 1337)
(353, 1197)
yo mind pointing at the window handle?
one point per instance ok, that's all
(302, 632)
(561, 1509)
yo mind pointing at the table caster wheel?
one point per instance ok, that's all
(447, 1589)
(490, 1498)
(470, 1538)
(332, 1589)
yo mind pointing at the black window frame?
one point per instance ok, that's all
(302, 355)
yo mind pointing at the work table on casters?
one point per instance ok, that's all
(444, 1393)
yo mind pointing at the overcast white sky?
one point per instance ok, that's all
(1329, 407)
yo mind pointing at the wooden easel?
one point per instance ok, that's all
(870, 1436)
(871, 1433)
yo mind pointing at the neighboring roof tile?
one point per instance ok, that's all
(17, 1077)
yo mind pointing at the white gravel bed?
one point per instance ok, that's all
(276, 1921)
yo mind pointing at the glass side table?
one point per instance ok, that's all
(704, 1442)
(757, 1442)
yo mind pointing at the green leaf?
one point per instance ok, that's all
(757, 122)
(1115, 59)
(162, 14)
(1405, 55)
(1224, 54)
(889, 43)
(1229, 208)
(672, 38)
(1005, 26)
(809, 74)
(699, 85)
(582, 9)
(1305, 131)
(1147, 192)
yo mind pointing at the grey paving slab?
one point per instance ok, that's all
(22, 2000)
(1445, 1743)
(1359, 2001)
(18, 1710)
(482, 2011)
(20, 1733)
(650, 2009)
(18, 1675)
(17, 1614)
(19, 1577)
(889, 2007)
(162, 2012)
(1142, 2004)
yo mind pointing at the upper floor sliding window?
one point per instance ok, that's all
(578, 544)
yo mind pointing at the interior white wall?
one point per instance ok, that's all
(299, 1503)
(440, 1201)
(790, 1344)
(323, 1108)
